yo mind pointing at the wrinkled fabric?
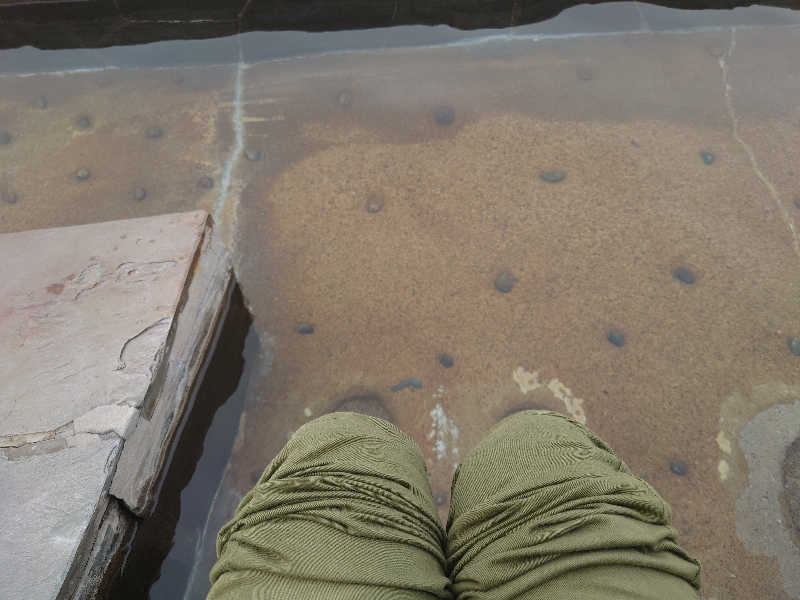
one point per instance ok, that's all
(344, 511)
(541, 508)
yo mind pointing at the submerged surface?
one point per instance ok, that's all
(603, 225)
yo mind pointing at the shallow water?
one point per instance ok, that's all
(377, 195)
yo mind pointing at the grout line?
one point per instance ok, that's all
(238, 127)
(773, 191)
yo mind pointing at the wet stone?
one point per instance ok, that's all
(684, 275)
(527, 405)
(707, 157)
(83, 174)
(444, 115)
(139, 193)
(678, 467)
(616, 337)
(344, 98)
(305, 329)
(505, 282)
(365, 404)
(446, 360)
(584, 73)
(791, 483)
(154, 132)
(794, 345)
(552, 176)
(83, 122)
(205, 182)
(408, 382)
(374, 203)
(5, 138)
(715, 50)
(252, 154)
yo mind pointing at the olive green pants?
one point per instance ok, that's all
(540, 509)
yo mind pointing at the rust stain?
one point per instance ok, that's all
(55, 288)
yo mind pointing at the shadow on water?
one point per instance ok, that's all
(160, 557)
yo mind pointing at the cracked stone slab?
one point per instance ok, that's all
(84, 316)
(169, 397)
(104, 330)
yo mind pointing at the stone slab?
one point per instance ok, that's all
(104, 329)
(48, 505)
(84, 316)
(145, 453)
(105, 559)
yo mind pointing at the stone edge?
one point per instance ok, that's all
(145, 454)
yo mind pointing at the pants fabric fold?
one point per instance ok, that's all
(344, 511)
(541, 508)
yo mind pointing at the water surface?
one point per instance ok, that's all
(376, 187)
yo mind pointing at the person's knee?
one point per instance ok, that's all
(533, 441)
(345, 423)
(342, 442)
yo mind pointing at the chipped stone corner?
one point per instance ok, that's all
(118, 419)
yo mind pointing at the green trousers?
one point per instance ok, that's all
(540, 509)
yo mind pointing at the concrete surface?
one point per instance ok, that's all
(96, 320)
